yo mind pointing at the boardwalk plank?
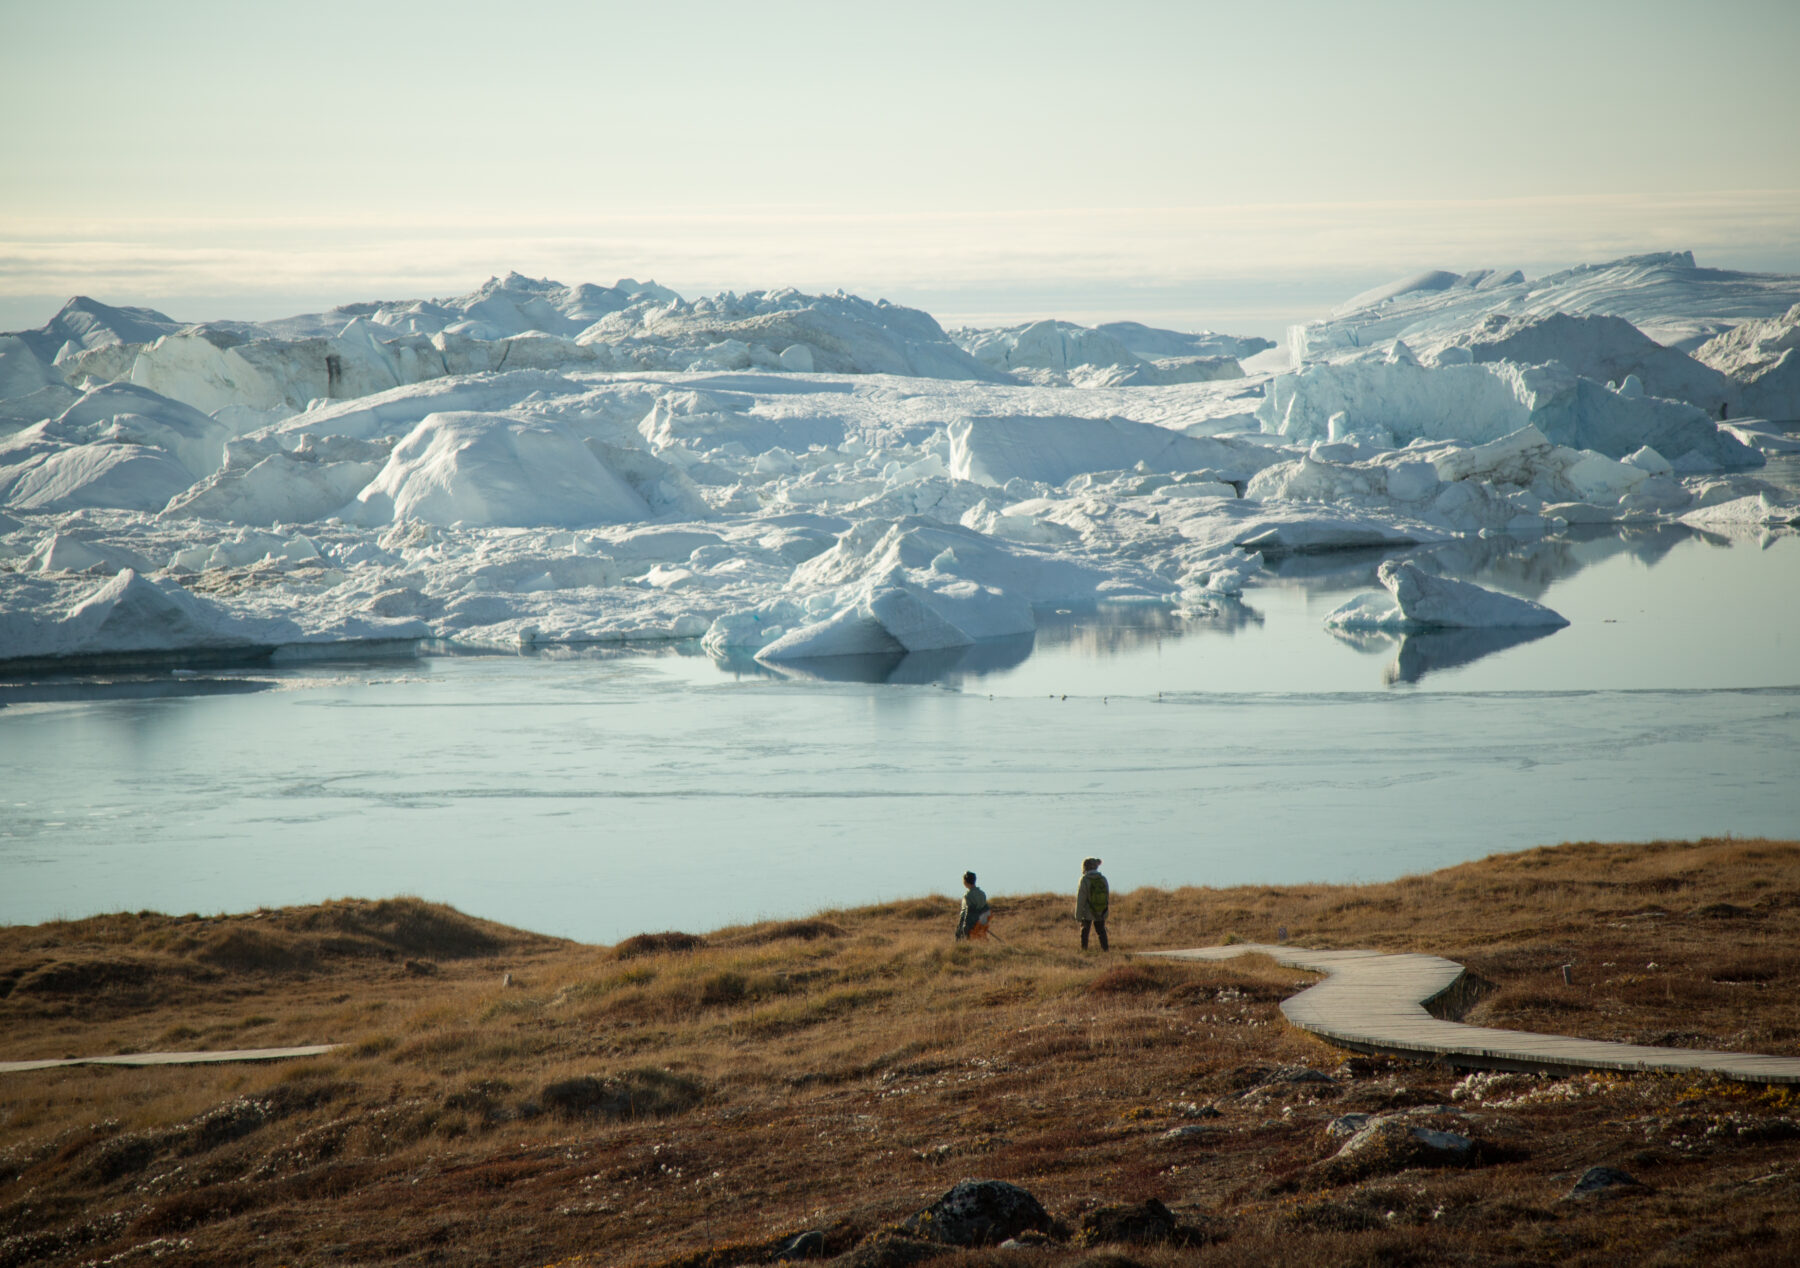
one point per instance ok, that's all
(1373, 1001)
(176, 1058)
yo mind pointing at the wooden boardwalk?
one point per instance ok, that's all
(176, 1058)
(1372, 1001)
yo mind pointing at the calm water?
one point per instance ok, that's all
(601, 794)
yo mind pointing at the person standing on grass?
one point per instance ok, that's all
(1092, 898)
(972, 920)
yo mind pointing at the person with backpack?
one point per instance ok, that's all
(972, 920)
(1092, 898)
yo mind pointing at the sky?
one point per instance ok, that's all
(1198, 164)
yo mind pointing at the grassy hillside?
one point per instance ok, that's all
(696, 1098)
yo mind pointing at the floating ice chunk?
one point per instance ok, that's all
(1045, 345)
(875, 548)
(126, 614)
(1604, 349)
(1299, 532)
(705, 421)
(752, 628)
(1374, 610)
(852, 631)
(60, 552)
(1417, 600)
(1479, 403)
(125, 414)
(1752, 512)
(30, 390)
(281, 487)
(1411, 481)
(903, 612)
(1050, 450)
(490, 469)
(393, 413)
(122, 477)
(1156, 343)
(1665, 295)
(1648, 460)
(1027, 521)
(1225, 573)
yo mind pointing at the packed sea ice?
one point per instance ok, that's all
(798, 476)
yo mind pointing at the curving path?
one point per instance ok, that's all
(176, 1058)
(1373, 1001)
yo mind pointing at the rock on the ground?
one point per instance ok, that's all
(1147, 1223)
(1390, 1143)
(1603, 1182)
(979, 1213)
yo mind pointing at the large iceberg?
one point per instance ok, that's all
(490, 469)
(1763, 358)
(1072, 353)
(1395, 400)
(1666, 295)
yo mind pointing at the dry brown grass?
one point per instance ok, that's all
(693, 1099)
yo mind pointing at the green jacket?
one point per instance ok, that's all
(1092, 897)
(973, 904)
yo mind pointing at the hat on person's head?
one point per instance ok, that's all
(1088, 865)
(968, 878)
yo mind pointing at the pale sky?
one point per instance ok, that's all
(1234, 165)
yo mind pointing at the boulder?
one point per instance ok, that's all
(1147, 1223)
(1390, 1143)
(978, 1213)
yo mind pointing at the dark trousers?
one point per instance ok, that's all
(1099, 928)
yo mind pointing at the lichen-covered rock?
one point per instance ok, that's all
(979, 1213)
(1147, 1223)
(1390, 1143)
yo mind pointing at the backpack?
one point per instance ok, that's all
(1098, 896)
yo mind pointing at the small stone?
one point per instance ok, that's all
(1346, 1126)
(807, 1245)
(1191, 1131)
(1603, 1182)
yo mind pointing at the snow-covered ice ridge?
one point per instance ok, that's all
(790, 476)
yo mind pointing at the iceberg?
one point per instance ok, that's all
(1416, 600)
(1051, 450)
(491, 469)
(1665, 295)
(125, 616)
(1481, 402)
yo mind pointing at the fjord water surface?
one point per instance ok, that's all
(597, 793)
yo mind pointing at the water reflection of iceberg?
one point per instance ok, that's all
(1112, 628)
(88, 690)
(1432, 650)
(917, 668)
